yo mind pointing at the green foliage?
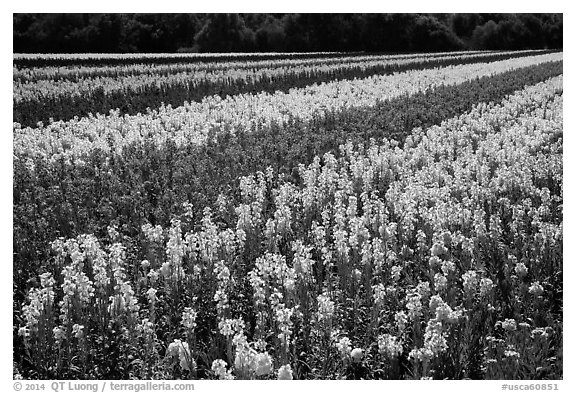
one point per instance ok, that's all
(518, 32)
(96, 33)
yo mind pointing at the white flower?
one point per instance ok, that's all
(78, 330)
(434, 339)
(113, 232)
(401, 320)
(389, 346)
(486, 286)
(440, 282)
(59, 334)
(151, 293)
(447, 267)
(189, 318)
(153, 275)
(263, 364)
(24, 331)
(165, 269)
(344, 346)
(470, 282)
(443, 312)
(421, 354)
(509, 325)
(230, 327)
(356, 355)
(181, 350)
(414, 304)
(219, 368)
(447, 238)
(521, 269)
(325, 308)
(434, 262)
(146, 328)
(536, 289)
(539, 332)
(379, 294)
(285, 372)
(438, 249)
(396, 270)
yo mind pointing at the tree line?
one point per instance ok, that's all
(123, 33)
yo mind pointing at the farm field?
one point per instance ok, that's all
(288, 216)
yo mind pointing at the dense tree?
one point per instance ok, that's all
(430, 34)
(271, 35)
(225, 33)
(384, 32)
(519, 31)
(463, 25)
(283, 32)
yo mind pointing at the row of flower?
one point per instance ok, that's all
(149, 183)
(135, 78)
(440, 259)
(192, 123)
(58, 98)
(73, 59)
(75, 73)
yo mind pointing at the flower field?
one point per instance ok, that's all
(58, 93)
(294, 217)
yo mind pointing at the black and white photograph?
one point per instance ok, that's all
(286, 196)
